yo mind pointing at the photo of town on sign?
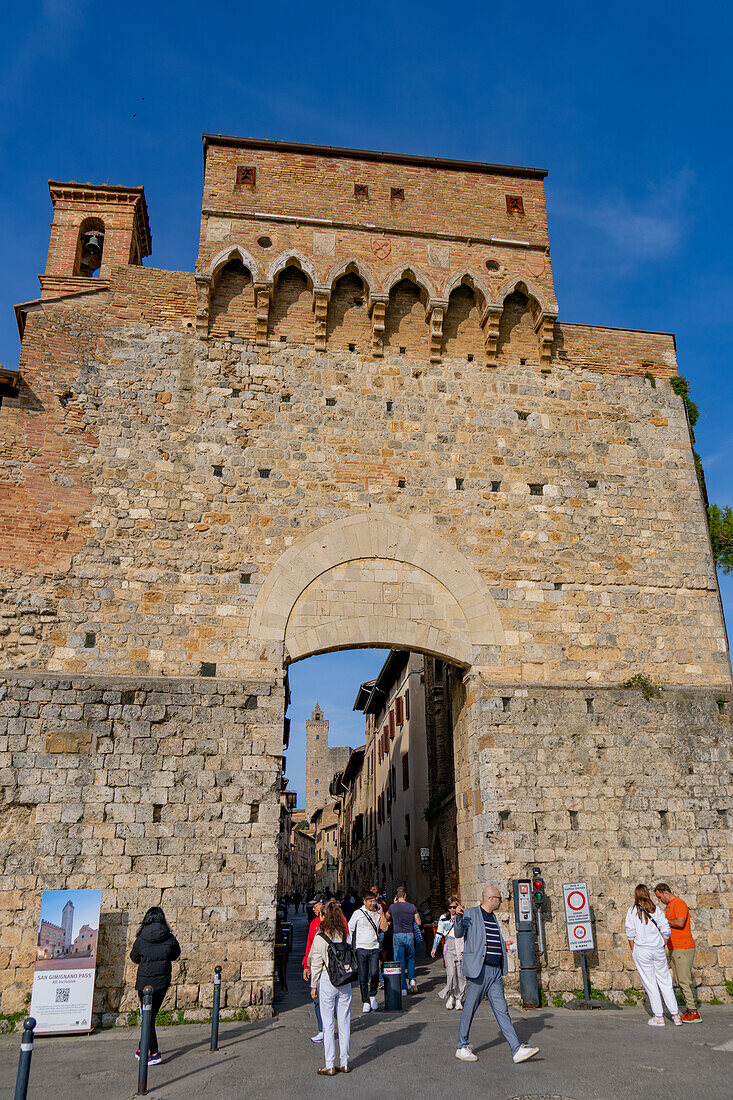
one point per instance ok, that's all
(68, 930)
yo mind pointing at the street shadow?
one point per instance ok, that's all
(526, 1028)
(397, 1037)
(228, 1037)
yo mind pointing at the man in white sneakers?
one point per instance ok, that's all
(484, 962)
(364, 929)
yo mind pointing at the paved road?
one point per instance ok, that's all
(609, 1055)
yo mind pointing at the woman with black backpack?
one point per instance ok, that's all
(332, 963)
(154, 949)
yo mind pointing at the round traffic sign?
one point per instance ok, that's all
(580, 931)
(576, 900)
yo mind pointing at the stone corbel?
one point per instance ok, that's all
(263, 295)
(321, 298)
(435, 314)
(378, 309)
(203, 303)
(545, 330)
(490, 327)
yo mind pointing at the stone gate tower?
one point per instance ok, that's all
(359, 422)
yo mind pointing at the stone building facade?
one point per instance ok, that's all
(359, 421)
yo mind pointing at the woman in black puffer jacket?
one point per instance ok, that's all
(154, 950)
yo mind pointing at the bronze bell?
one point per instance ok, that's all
(92, 242)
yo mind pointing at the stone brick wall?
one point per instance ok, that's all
(378, 380)
(158, 792)
(608, 787)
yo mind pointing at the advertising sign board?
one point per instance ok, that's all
(577, 916)
(66, 961)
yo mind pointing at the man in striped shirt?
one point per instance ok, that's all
(484, 963)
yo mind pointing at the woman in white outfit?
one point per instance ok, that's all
(647, 931)
(455, 982)
(334, 1001)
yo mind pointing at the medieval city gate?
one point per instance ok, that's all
(358, 422)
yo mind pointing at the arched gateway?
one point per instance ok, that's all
(359, 421)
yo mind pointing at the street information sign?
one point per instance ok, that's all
(577, 916)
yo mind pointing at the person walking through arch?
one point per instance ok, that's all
(484, 963)
(455, 981)
(334, 995)
(154, 949)
(647, 931)
(364, 929)
(403, 916)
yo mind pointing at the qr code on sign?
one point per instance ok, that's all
(62, 995)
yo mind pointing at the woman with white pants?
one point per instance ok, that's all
(647, 931)
(455, 982)
(334, 1000)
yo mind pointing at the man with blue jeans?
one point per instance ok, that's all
(484, 962)
(403, 915)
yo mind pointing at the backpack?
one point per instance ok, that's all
(341, 964)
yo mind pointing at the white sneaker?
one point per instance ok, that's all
(449, 1003)
(366, 1007)
(317, 1038)
(656, 1021)
(524, 1053)
(466, 1054)
(458, 1005)
(373, 1004)
(677, 1021)
(413, 986)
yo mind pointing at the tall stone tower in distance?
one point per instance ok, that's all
(316, 758)
(67, 922)
(321, 762)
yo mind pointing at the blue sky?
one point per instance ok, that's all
(628, 106)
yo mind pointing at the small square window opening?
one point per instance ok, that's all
(246, 175)
(514, 204)
(397, 193)
(361, 191)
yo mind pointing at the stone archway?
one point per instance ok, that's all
(376, 579)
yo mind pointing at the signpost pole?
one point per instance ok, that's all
(586, 985)
(24, 1062)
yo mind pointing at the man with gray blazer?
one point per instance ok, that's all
(484, 963)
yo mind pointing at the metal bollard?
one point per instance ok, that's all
(24, 1063)
(215, 1009)
(147, 1019)
(392, 986)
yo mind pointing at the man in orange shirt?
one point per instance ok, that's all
(682, 947)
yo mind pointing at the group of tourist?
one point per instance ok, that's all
(339, 952)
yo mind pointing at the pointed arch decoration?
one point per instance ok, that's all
(293, 258)
(528, 287)
(468, 278)
(413, 274)
(233, 252)
(352, 265)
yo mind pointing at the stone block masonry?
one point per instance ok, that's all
(357, 422)
(158, 792)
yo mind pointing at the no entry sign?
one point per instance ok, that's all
(577, 916)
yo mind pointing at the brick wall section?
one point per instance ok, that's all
(323, 187)
(157, 792)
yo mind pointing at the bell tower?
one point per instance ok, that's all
(316, 761)
(95, 226)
